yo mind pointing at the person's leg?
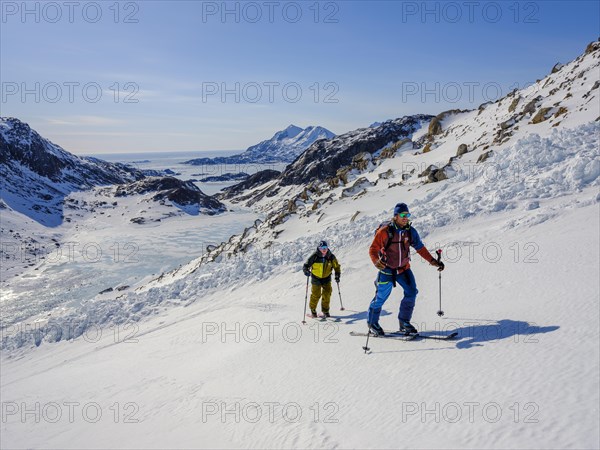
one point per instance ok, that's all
(384, 289)
(326, 297)
(407, 280)
(315, 295)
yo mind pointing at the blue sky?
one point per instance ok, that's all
(105, 77)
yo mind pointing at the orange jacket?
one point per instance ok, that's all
(380, 241)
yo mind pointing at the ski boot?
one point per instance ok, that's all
(313, 313)
(376, 329)
(407, 328)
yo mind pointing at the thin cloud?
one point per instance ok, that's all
(84, 121)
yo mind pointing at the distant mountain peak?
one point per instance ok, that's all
(285, 146)
(292, 130)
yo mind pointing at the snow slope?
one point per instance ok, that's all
(37, 174)
(524, 372)
(47, 193)
(235, 368)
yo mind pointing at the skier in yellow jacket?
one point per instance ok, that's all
(319, 267)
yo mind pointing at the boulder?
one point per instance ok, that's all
(484, 156)
(531, 106)
(557, 67)
(428, 171)
(387, 174)
(592, 46)
(390, 151)
(435, 126)
(508, 123)
(358, 187)
(342, 174)
(361, 161)
(562, 110)
(514, 104)
(436, 175)
(541, 116)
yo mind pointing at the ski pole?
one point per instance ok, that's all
(366, 347)
(439, 258)
(340, 294)
(305, 300)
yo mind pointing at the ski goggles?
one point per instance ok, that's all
(323, 248)
(404, 215)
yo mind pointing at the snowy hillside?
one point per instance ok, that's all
(449, 145)
(213, 354)
(37, 175)
(284, 146)
(41, 209)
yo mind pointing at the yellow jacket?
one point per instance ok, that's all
(321, 267)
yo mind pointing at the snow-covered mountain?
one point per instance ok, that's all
(509, 192)
(537, 159)
(40, 205)
(330, 161)
(288, 144)
(284, 146)
(323, 159)
(37, 175)
(447, 145)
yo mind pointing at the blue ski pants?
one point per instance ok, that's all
(384, 284)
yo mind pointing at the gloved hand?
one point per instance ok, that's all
(380, 264)
(439, 264)
(306, 272)
(337, 278)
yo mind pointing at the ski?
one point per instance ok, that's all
(398, 337)
(330, 318)
(321, 318)
(318, 318)
(407, 337)
(439, 338)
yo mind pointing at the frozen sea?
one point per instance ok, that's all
(105, 250)
(175, 162)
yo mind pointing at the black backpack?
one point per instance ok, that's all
(391, 229)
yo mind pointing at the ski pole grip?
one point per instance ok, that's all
(439, 254)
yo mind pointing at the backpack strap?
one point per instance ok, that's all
(390, 233)
(391, 229)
